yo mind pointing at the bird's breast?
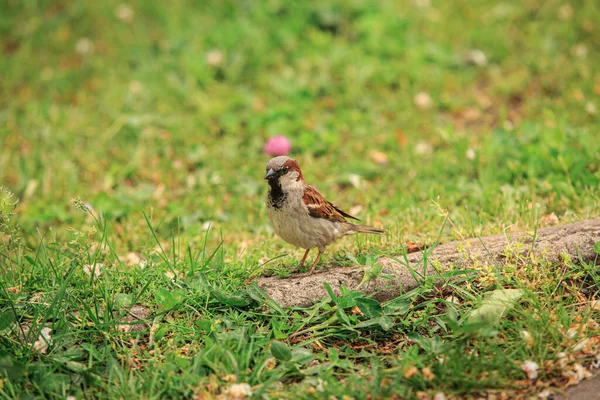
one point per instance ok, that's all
(294, 225)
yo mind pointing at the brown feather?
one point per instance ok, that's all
(319, 207)
(293, 165)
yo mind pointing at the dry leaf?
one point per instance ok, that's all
(412, 247)
(422, 396)
(410, 372)
(427, 373)
(14, 289)
(356, 311)
(378, 157)
(401, 138)
(549, 219)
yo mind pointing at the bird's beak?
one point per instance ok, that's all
(270, 173)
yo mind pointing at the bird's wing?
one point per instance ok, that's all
(318, 207)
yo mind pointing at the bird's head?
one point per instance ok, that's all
(284, 170)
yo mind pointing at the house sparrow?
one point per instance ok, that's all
(300, 214)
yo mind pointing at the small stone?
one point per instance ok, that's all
(239, 391)
(531, 369)
(44, 340)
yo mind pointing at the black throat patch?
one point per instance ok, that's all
(276, 194)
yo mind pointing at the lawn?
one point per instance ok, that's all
(133, 220)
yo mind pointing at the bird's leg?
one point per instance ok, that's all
(304, 258)
(321, 251)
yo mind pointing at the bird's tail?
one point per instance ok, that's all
(364, 229)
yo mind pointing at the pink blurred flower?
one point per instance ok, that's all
(278, 146)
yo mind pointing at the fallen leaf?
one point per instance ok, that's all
(427, 373)
(412, 247)
(410, 372)
(549, 219)
(14, 289)
(356, 311)
(378, 157)
(401, 138)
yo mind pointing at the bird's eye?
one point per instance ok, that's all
(285, 170)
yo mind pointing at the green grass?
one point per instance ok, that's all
(157, 121)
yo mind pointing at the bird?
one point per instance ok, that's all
(300, 214)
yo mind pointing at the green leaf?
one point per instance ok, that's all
(348, 297)
(343, 317)
(169, 300)
(371, 308)
(204, 325)
(386, 323)
(302, 355)
(259, 295)
(163, 297)
(383, 321)
(9, 368)
(397, 307)
(330, 292)
(160, 332)
(367, 323)
(123, 300)
(495, 305)
(237, 299)
(597, 247)
(6, 320)
(280, 351)
(433, 345)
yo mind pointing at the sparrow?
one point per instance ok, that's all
(301, 215)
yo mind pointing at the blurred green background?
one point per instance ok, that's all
(488, 109)
(479, 116)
